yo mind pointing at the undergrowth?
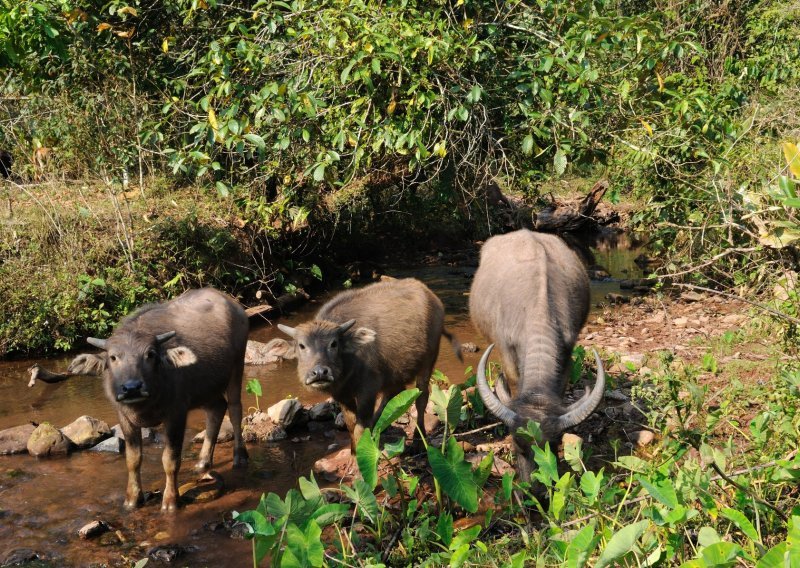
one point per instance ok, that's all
(718, 489)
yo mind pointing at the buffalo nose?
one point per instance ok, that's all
(319, 374)
(133, 388)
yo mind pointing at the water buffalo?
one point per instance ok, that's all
(162, 361)
(530, 296)
(370, 341)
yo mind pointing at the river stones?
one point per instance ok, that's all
(15, 440)
(86, 431)
(112, 445)
(47, 440)
(322, 411)
(93, 529)
(285, 412)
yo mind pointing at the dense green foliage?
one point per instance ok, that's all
(717, 491)
(323, 121)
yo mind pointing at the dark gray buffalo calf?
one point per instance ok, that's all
(530, 296)
(162, 361)
(367, 342)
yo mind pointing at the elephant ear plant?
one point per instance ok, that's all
(289, 530)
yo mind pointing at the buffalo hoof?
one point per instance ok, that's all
(133, 503)
(169, 507)
(240, 458)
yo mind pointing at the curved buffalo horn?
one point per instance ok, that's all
(346, 325)
(581, 409)
(290, 331)
(99, 343)
(164, 337)
(501, 388)
(493, 404)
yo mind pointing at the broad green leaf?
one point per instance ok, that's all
(256, 140)
(254, 387)
(560, 162)
(465, 537)
(527, 145)
(394, 449)
(309, 488)
(548, 464)
(780, 556)
(454, 474)
(484, 469)
(580, 547)
(361, 494)
(394, 409)
(742, 523)
(621, 543)
(721, 554)
(222, 189)
(459, 556)
(305, 545)
(367, 455)
(319, 172)
(447, 405)
(444, 528)
(661, 490)
(518, 560)
(633, 463)
(707, 536)
(590, 485)
(330, 513)
(258, 523)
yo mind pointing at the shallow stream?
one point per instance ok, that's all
(43, 503)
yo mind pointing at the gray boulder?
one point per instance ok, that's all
(112, 445)
(15, 440)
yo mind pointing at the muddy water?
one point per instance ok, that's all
(43, 503)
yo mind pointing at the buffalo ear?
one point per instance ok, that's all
(359, 338)
(87, 364)
(180, 356)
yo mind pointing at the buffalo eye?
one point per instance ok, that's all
(302, 347)
(113, 357)
(150, 354)
(334, 344)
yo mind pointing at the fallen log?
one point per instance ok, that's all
(571, 216)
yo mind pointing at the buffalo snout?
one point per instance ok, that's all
(132, 390)
(319, 376)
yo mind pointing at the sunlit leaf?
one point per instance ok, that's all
(792, 154)
(621, 543)
(454, 474)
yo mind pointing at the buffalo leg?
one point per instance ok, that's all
(235, 412)
(134, 495)
(215, 412)
(365, 412)
(171, 459)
